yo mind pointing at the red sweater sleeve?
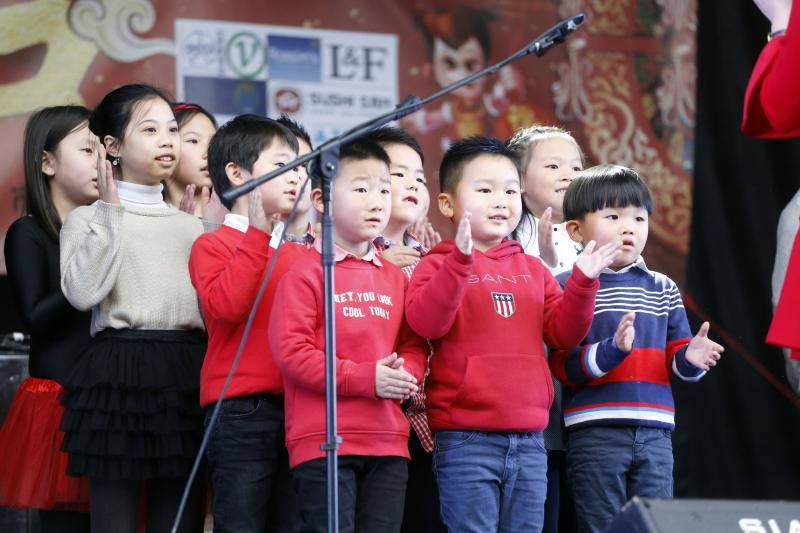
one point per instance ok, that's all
(436, 291)
(227, 285)
(413, 348)
(771, 105)
(296, 350)
(568, 315)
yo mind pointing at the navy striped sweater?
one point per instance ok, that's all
(609, 387)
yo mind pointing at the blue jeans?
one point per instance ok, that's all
(607, 466)
(248, 467)
(491, 481)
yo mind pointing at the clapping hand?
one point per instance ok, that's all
(702, 352)
(592, 262)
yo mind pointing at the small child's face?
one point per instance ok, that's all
(304, 205)
(277, 195)
(490, 190)
(552, 166)
(196, 133)
(410, 197)
(451, 65)
(151, 149)
(362, 201)
(73, 166)
(626, 224)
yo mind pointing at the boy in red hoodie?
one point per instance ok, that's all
(247, 459)
(379, 360)
(487, 307)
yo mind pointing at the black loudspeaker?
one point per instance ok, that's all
(642, 515)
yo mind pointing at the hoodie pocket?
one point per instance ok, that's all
(504, 392)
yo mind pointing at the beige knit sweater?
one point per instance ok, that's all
(129, 265)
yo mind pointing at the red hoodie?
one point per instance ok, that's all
(369, 326)
(487, 315)
(227, 268)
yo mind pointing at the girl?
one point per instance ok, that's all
(60, 174)
(196, 127)
(549, 157)
(132, 411)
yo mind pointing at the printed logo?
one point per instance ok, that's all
(200, 50)
(287, 101)
(504, 303)
(294, 58)
(244, 54)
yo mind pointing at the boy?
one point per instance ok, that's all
(620, 415)
(487, 312)
(302, 228)
(410, 201)
(379, 360)
(247, 459)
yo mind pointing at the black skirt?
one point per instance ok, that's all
(132, 407)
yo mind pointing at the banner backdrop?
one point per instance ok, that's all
(624, 84)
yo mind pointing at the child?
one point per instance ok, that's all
(247, 459)
(621, 414)
(410, 201)
(131, 399)
(487, 313)
(379, 360)
(549, 158)
(302, 228)
(60, 173)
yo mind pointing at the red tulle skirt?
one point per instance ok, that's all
(33, 469)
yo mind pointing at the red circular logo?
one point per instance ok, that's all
(287, 101)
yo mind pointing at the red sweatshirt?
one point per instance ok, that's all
(771, 105)
(487, 315)
(227, 268)
(369, 326)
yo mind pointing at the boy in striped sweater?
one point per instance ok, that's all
(620, 411)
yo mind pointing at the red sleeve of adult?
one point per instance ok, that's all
(227, 284)
(293, 339)
(436, 291)
(771, 105)
(568, 315)
(783, 330)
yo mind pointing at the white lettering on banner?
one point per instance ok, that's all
(755, 525)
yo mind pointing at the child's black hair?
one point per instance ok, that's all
(604, 186)
(393, 135)
(45, 130)
(360, 149)
(114, 112)
(462, 152)
(296, 128)
(185, 111)
(241, 141)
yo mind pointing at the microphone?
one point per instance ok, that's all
(555, 35)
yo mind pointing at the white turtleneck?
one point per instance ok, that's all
(134, 194)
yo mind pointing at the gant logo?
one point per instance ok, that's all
(504, 304)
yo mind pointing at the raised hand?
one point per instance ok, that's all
(401, 256)
(547, 250)
(212, 208)
(592, 262)
(255, 212)
(392, 381)
(464, 234)
(106, 187)
(702, 352)
(188, 203)
(625, 334)
(432, 237)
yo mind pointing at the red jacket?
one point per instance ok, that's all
(369, 326)
(487, 315)
(227, 268)
(771, 105)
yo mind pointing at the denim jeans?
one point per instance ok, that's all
(491, 481)
(607, 466)
(249, 467)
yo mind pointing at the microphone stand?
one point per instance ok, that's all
(324, 165)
